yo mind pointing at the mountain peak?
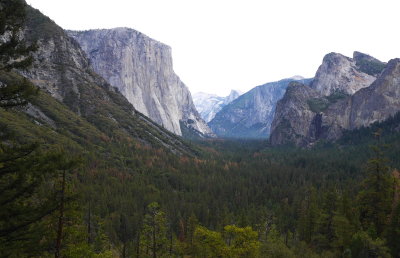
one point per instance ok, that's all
(209, 104)
(339, 73)
(296, 77)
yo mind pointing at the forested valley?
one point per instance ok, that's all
(84, 188)
(231, 199)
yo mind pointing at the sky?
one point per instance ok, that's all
(219, 45)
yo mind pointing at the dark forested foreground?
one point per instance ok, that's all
(235, 199)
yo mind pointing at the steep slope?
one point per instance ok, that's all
(368, 64)
(250, 115)
(62, 69)
(210, 104)
(343, 100)
(369, 105)
(141, 68)
(294, 119)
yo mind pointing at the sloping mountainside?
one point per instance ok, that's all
(250, 115)
(209, 105)
(337, 100)
(62, 70)
(141, 69)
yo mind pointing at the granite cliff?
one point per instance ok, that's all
(141, 69)
(375, 103)
(339, 73)
(293, 120)
(62, 70)
(346, 94)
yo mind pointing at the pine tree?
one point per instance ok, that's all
(308, 217)
(23, 167)
(375, 199)
(23, 170)
(154, 234)
(64, 166)
(393, 231)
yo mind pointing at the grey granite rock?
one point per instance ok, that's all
(341, 100)
(339, 73)
(369, 105)
(141, 68)
(62, 69)
(294, 121)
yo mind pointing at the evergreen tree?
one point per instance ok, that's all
(375, 199)
(23, 171)
(23, 167)
(242, 242)
(154, 233)
(191, 227)
(393, 231)
(125, 234)
(64, 166)
(308, 217)
(209, 243)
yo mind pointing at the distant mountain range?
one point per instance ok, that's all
(251, 114)
(345, 94)
(120, 79)
(210, 104)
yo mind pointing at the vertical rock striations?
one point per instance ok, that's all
(62, 69)
(293, 121)
(141, 68)
(375, 103)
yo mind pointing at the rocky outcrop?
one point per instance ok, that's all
(209, 105)
(62, 69)
(294, 120)
(250, 115)
(339, 73)
(369, 105)
(303, 119)
(141, 68)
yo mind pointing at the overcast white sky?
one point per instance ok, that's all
(218, 45)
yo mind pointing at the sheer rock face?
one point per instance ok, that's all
(294, 121)
(62, 69)
(141, 68)
(250, 115)
(297, 122)
(369, 105)
(339, 73)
